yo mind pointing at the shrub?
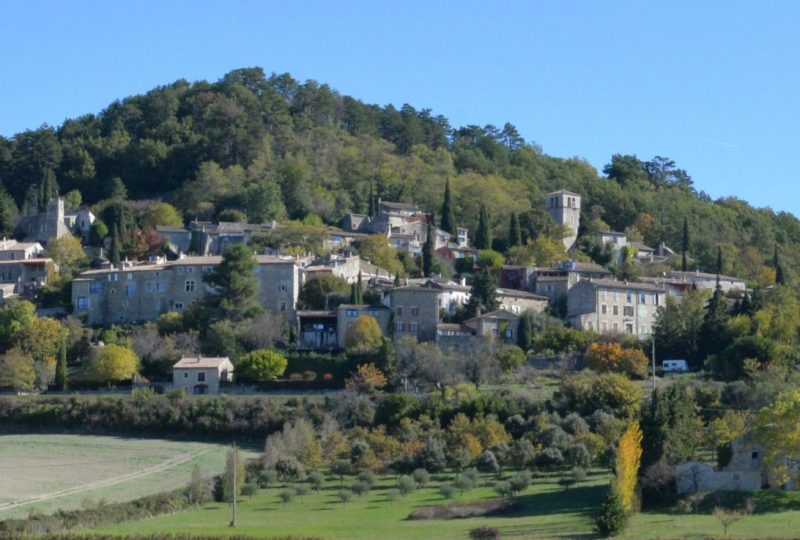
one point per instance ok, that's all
(447, 492)
(316, 479)
(487, 463)
(502, 488)
(344, 495)
(392, 494)
(520, 482)
(287, 495)
(267, 477)
(368, 478)
(484, 533)
(406, 485)
(360, 488)
(248, 490)
(612, 518)
(421, 477)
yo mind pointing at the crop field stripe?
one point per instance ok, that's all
(187, 456)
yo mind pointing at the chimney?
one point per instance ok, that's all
(463, 281)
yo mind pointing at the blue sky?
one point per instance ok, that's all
(714, 85)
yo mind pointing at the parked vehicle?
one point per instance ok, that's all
(674, 366)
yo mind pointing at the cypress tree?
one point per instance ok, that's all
(514, 232)
(713, 331)
(685, 246)
(483, 236)
(359, 293)
(371, 205)
(448, 219)
(612, 518)
(525, 333)
(353, 294)
(61, 367)
(428, 251)
(115, 254)
(484, 293)
(780, 277)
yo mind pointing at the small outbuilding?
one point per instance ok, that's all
(202, 375)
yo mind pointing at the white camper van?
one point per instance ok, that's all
(674, 366)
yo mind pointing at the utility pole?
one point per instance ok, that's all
(653, 357)
(233, 520)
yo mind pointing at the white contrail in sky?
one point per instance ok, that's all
(718, 143)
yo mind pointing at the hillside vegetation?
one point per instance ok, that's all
(275, 148)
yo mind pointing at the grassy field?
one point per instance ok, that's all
(50, 472)
(547, 511)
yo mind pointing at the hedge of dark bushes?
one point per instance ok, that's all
(213, 418)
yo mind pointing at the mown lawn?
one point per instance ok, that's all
(547, 511)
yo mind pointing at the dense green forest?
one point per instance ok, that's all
(275, 148)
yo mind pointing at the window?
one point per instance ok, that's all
(185, 374)
(374, 313)
(414, 311)
(616, 327)
(190, 270)
(352, 313)
(616, 310)
(113, 277)
(283, 288)
(495, 332)
(399, 311)
(95, 287)
(642, 298)
(616, 296)
(514, 309)
(207, 269)
(509, 333)
(189, 285)
(414, 327)
(178, 306)
(201, 376)
(161, 287)
(655, 299)
(628, 311)
(628, 328)
(283, 306)
(628, 296)
(401, 327)
(603, 294)
(83, 302)
(130, 290)
(180, 270)
(605, 326)
(604, 309)
(130, 276)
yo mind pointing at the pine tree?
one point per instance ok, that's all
(685, 246)
(514, 232)
(483, 236)
(61, 367)
(428, 250)
(448, 218)
(714, 330)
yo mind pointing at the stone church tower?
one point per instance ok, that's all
(565, 209)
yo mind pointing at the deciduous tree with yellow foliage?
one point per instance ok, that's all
(626, 466)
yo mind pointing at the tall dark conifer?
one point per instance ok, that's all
(514, 233)
(448, 217)
(780, 277)
(428, 250)
(483, 236)
(685, 246)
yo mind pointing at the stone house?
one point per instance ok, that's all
(144, 292)
(502, 325)
(348, 267)
(745, 471)
(609, 306)
(556, 281)
(416, 310)
(706, 281)
(347, 314)
(517, 302)
(200, 375)
(317, 330)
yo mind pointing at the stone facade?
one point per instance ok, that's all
(42, 227)
(500, 324)
(565, 209)
(416, 311)
(145, 292)
(606, 306)
(201, 375)
(705, 281)
(346, 315)
(517, 302)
